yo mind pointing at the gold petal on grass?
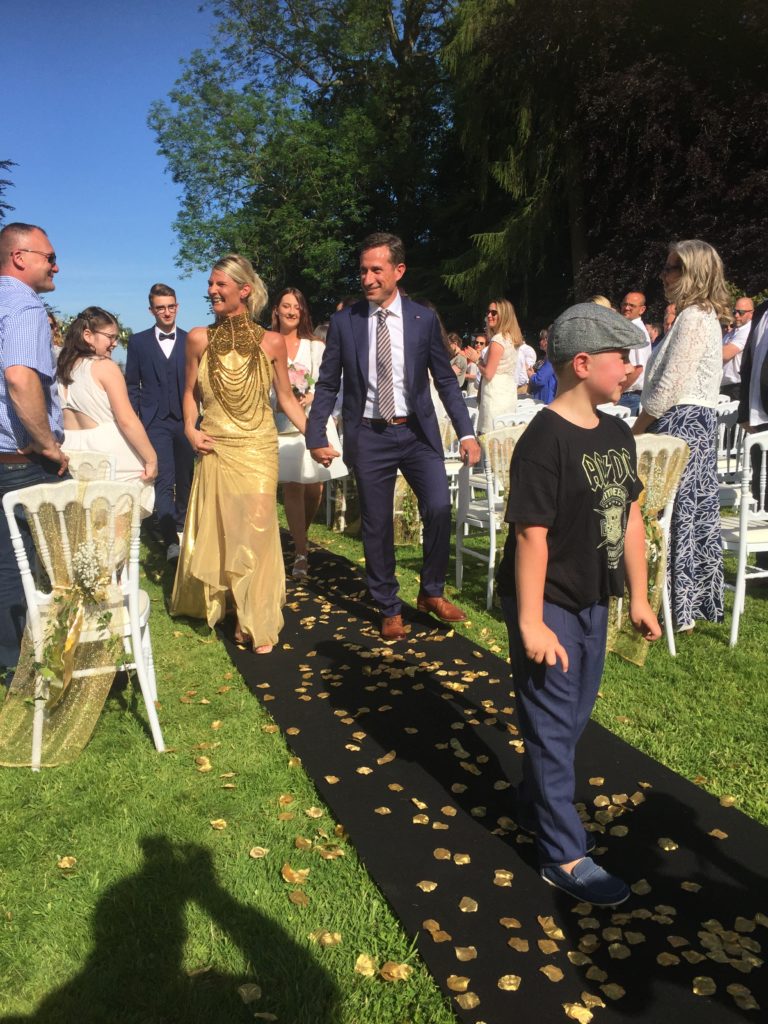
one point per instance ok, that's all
(298, 898)
(457, 983)
(325, 938)
(703, 986)
(314, 812)
(330, 852)
(441, 853)
(426, 886)
(717, 833)
(468, 1001)
(575, 1011)
(727, 801)
(509, 982)
(390, 971)
(297, 877)
(467, 905)
(302, 843)
(217, 724)
(219, 824)
(294, 762)
(552, 973)
(269, 728)
(465, 953)
(66, 863)
(285, 799)
(365, 965)
(258, 852)
(666, 844)
(502, 877)
(249, 992)
(203, 764)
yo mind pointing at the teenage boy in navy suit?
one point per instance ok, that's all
(154, 374)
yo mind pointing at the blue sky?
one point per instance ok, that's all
(79, 78)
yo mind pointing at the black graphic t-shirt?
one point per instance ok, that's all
(579, 483)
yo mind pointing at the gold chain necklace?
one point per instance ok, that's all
(238, 391)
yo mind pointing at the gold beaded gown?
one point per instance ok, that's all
(231, 542)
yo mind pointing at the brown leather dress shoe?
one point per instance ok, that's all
(440, 607)
(392, 627)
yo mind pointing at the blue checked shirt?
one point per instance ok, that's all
(25, 340)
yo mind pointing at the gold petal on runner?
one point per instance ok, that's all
(427, 886)
(468, 1000)
(509, 982)
(703, 986)
(465, 953)
(457, 983)
(467, 905)
(552, 973)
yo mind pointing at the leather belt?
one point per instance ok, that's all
(395, 421)
(13, 457)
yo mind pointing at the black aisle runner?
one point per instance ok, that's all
(415, 749)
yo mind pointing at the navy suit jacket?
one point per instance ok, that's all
(146, 372)
(346, 352)
(746, 367)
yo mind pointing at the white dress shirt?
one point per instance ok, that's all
(167, 343)
(640, 356)
(394, 323)
(758, 414)
(736, 336)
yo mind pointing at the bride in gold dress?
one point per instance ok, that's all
(231, 544)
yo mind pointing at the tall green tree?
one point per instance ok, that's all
(308, 124)
(605, 128)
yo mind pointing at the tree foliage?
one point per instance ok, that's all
(308, 124)
(611, 127)
(5, 183)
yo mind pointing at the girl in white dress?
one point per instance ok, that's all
(98, 416)
(498, 366)
(302, 481)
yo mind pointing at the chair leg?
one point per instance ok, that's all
(149, 660)
(459, 559)
(146, 687)
(739, 596)
(668, 628)
(38, 721)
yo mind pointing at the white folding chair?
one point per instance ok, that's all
(91, 465)
(524, 413)
(747, 532)
(45, 507)
(729, 451)
(622, 411)
(482, 500)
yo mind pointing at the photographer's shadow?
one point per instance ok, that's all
(135, 973)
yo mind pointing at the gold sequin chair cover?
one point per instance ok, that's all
(661, 460)
(75, 638)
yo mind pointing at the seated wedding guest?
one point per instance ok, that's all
(734, 340)
(458, 359)
(302, 493)
(231, 544)
(542, 384)
(682, 380)
(56, 339)
(98, 415)
(654, 332)
(601, 300)
(526, 360)
(498, 369)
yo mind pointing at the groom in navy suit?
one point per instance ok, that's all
(154, 374)
(385, 347)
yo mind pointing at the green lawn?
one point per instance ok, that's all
(163, 918)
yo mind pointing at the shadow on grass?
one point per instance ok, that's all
(135, 973)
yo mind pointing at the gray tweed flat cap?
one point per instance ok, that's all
(590, 328)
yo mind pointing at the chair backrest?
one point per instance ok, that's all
(74, 524)
(729, 441)
(91, 465)
(522, 414)
(754, 479)
(661, 460)
(622, 411)
(497, 446)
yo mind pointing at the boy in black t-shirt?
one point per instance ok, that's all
(575, 527)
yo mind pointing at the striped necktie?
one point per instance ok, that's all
(385, 384)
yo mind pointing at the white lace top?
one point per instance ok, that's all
(687, 367)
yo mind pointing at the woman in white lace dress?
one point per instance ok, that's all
(98, 416)
(682, 381)
(301, 478)
(498, 368)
